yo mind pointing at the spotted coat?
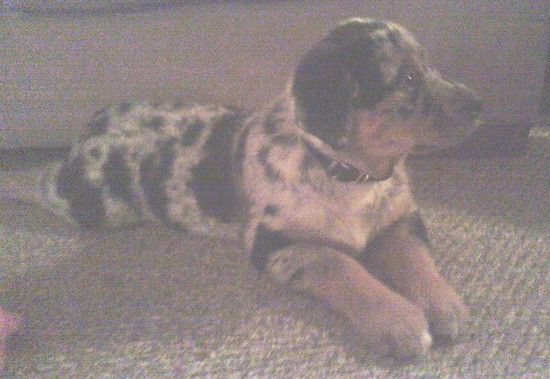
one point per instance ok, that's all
(316, 179)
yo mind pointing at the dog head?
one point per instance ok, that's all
(368, 91)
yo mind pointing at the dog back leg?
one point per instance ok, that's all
(106, 182)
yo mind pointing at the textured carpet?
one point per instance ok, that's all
(148, 302)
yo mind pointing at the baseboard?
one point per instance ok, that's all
(12, 159)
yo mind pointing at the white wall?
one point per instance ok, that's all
(56, 70)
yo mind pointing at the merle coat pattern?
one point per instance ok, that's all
(316, 179)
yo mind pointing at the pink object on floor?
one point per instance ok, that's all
(8, 324)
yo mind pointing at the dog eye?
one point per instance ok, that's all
(410, 77)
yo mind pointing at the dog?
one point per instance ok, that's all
(316, 179)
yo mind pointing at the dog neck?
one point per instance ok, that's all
(346, 172)
(334, 165)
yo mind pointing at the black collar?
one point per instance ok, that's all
(343, 172)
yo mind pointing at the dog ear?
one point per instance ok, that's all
(323, 90)
(344, 71)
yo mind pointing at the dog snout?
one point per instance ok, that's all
(473, 106)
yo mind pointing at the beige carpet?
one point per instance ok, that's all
(149, 303)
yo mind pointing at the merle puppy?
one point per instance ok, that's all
(316, 179)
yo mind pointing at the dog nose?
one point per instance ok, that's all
(474, 106)
(469, 101)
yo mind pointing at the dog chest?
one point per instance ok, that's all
(346, 215)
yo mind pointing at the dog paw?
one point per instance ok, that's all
(397, 329)
(447, 316)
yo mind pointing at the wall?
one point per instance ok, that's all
(58, 69)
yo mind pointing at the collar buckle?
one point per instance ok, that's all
(343, 172)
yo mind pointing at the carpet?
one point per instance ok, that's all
(150, 303)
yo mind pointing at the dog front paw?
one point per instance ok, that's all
(447, 315)
(398, 328)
